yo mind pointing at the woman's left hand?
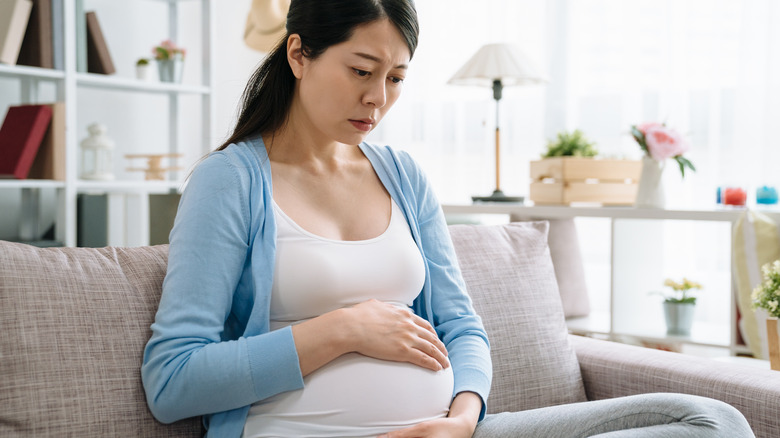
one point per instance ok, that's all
(460, 423)
(438, 428)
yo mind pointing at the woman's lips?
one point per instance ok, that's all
(363, 125)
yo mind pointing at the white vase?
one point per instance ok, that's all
(650, 193)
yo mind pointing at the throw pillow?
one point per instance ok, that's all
(74, 322)
(511, 280)
(569, 270)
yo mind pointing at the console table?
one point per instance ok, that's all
(632, 312)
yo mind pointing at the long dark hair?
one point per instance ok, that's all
(320, 24)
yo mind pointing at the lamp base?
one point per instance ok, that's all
(497, 196)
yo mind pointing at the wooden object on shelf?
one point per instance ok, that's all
(14, 16)
(566, 180)
(36, 48)
(20, 137)
(49, 162)
(774, 343)
(153, 169)
(98, 56)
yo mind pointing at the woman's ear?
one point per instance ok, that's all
(295, 55)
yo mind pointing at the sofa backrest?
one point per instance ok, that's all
(73, 325)
(74, 322)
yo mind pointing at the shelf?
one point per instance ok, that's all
(704, 334)
(17, 71)
(709, 335)
(30, 184)
(722, 214)
(139, 187)
(132, 84)
(595, 323)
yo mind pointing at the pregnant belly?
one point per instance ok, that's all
(354, 395)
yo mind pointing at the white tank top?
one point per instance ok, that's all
(354, 395)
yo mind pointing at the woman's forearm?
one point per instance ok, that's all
(466, 406)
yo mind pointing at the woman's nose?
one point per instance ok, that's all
(376, 94)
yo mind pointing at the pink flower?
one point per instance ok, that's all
(662, 142)
(644, 126)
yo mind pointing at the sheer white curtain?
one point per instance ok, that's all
(709, 68)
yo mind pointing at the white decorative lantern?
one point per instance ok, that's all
(96, 154)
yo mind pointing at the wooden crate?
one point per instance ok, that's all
(565, 180)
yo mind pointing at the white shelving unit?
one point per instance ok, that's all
(623, 319)
(68, 83)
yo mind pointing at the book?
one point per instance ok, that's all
(14, 15)
(81, 37)
(98, 56)
(20, 137)
(162, 213)
(49, 162)
(36, 48)
(58, 34)
(92, 220)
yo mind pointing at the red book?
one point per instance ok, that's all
(20, 137)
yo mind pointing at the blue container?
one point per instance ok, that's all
(766, 195)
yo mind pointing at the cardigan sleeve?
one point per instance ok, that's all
(190, 367)
(454, 318)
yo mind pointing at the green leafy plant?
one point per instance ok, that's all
(142, 61)
(767, 294)
(680, 291)
(572, 144)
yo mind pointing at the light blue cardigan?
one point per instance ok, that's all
(211, 352)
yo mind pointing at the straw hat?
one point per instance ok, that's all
(265, 24)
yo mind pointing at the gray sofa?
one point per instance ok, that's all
(74, 321)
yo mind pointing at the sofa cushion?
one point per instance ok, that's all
(567, 260)
(511, 279)
(74, 322)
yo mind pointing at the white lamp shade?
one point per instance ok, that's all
(502, 61)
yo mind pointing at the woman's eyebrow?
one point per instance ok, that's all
(377, 59)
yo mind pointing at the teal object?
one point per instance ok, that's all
(766, 195)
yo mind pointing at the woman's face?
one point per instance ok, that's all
(344, 93)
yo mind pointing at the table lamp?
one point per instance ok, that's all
(496, 66)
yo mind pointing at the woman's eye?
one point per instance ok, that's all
(396, 80)
(361, 73)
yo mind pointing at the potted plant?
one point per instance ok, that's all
(767, 296)
(142, 69)
(679, 305)
(572, 144)
(170, 60)
(569, 173)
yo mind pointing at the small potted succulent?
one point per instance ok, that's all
(142, 69)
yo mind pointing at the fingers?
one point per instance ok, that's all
(390, 332)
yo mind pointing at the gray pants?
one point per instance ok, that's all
(661, 415)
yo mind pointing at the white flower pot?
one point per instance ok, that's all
(679, 318)
(142, 72)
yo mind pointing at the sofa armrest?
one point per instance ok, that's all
(610, 369)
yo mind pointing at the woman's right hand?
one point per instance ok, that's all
(385, 331)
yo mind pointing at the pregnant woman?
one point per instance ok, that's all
(312, 288)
